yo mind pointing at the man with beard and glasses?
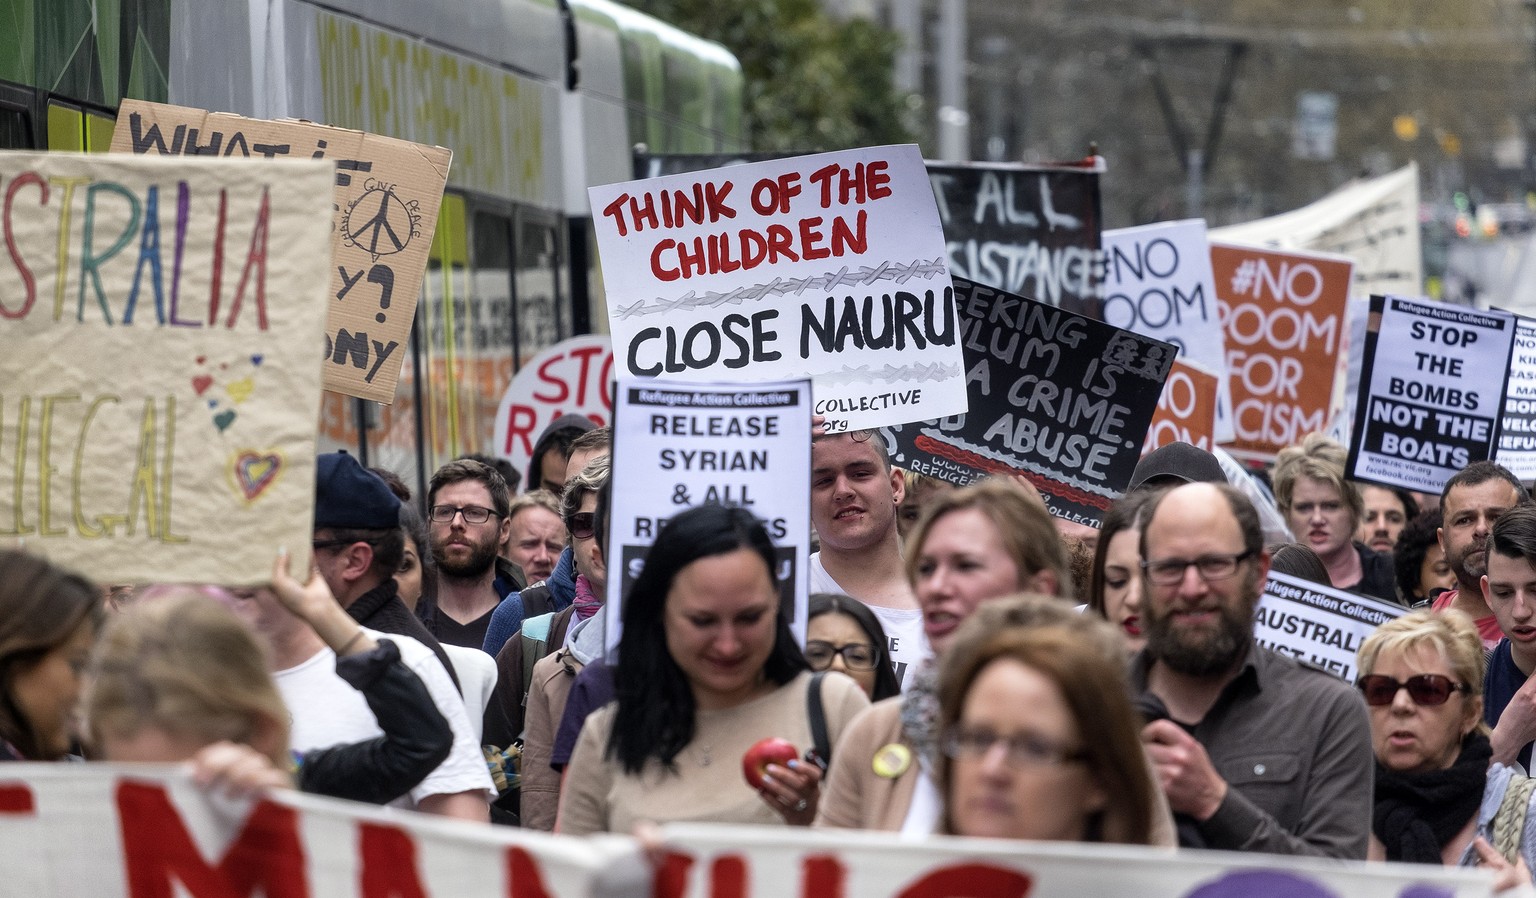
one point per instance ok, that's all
(1255, 751)
(1469, 503)
(467, 505)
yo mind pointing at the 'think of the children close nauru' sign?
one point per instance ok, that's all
(829, 266)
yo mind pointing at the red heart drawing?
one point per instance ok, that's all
(201, 383)
(255, 471)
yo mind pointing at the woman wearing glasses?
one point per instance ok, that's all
(842, 634)
(1438, 801)
(1038, 736)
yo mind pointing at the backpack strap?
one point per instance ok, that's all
(1509, 820)
(535, 645)
(818, 719)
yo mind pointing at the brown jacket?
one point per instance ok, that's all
(551, 686)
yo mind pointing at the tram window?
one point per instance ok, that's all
(539, 316)
(15, 129)
(492, 350)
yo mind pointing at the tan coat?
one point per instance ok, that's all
(547, 694)
(855, 797)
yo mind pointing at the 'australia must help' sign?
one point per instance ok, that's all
(829, 267)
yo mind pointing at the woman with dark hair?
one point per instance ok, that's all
(707, 667)
(1419, 561)
(1297, 560)
(417, 576)
(49, 619)
(842, 634)
(1114, 587)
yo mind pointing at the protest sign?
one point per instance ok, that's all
(829, 267)
(1431, 391)
(153, 834)
(1517, 441)
(159, 316)
(1063, 399)
(1158, 283)
(1186, 410)
(573, 377)
(681, 445)
(1031, 230)
(1320, 625)
(721, 861)
(1373, 222)
(386, 196)
(1283, 317)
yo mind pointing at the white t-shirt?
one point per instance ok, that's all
(327, 711)
(903, 626)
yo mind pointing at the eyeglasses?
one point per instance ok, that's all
(857, 655)
(1427, 690)
(1022, 750)
(1170, 571)
(473, 514)
(582, 524)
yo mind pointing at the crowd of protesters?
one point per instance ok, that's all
(969, 666)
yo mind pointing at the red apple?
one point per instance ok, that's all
(773, 750)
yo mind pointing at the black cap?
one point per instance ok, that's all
(349, 496)
(1177, 463)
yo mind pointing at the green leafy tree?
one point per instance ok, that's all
(812, 82)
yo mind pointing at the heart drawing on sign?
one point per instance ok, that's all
(223, 419)
(255, 471)
(201, 383)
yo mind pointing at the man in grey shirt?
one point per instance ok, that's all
(1255, 751)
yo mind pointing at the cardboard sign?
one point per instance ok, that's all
(1063, 399)
(1030, 230)
(1431, 391)
(1283, 316)
(785, 862)
(1517, 439)
(1373, 222)
(1158, 283)
(681, 445)
(828, 266)
(1186, 410)
(573, 377)
(159, 319)
(386, 196)
(1318, 624)
(154, 834)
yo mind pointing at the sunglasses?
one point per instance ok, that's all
(581, 524)
(1427, 690)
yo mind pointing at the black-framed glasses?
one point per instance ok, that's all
(1022, 749)
(1170, 571)
(1426, 690)
(856, 655)
(582, 524)
(473, 514)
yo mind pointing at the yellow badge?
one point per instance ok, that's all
(892, 760)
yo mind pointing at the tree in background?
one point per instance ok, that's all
(812, 82)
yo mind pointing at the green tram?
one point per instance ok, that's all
(538, 99)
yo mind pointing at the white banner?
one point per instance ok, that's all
(136, 831)
(131, 831)
(681, 445)
(1374, 222)
(1431, 391)
(1517, 444)
(572, 377)
(1158, 283)
(754, 862)
(830, 267)
(1320, 625)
